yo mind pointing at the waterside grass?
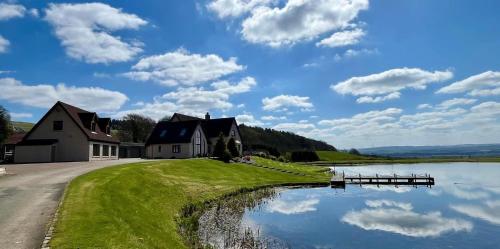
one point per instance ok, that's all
(141, 205)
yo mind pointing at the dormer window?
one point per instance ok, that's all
(108, 130)
(92, 126)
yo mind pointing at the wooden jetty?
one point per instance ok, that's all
(340, 180)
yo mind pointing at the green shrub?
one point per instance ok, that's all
(231, 146)
(220, 147)
(304, 156)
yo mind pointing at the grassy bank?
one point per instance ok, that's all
(333, 157)
(137, 205)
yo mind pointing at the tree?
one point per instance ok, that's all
(220, 147)
(231, 146)
(134, 128)
(5, 126)
(354, 152)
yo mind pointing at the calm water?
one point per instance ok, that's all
(461, 211)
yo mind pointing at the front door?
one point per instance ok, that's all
(53, 153)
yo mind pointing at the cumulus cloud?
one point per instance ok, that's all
(181, 67)
(388, 84)
(489, 212)
(292, 207)
(235, 8)
(272, 118)
(378, 99)
(193, 100)
(20, 115)
(456, 102)
(85, 31)
(342, 38)
(283, 102)
(9, 11)
(248, 119)
(44, 96)
(424, 106)
(484, 84)
(395, 217)
(300, 20)
(4, 44)
(293, 127)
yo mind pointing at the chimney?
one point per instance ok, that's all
(207, 116)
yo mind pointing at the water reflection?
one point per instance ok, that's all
(398, 217)
(461, 211)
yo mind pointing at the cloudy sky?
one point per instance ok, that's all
(354, 73)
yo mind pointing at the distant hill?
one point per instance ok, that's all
(22, 126)
(331, 156)
(256, 138)
(472, 150)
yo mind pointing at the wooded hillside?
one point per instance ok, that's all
(256, 138)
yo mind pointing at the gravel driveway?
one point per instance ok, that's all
(30, 194)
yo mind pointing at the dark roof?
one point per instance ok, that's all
(213, 127)
(166, 132)
(15, 138)
(103, 122)
(82, 119)
(37, 142)
(130, 144)
(183, 117)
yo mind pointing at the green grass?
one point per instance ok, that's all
(339, 156)
(346, 158)
(25, 126)
(137, 205)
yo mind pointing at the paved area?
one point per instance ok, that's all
(30, 194)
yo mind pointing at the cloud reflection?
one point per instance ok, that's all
(292, 207)
(489, 212)
(399, 217)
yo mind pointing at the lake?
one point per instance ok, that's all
(461, 211)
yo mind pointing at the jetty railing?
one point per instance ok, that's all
(394, 179)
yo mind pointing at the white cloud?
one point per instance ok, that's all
(378, 99)
(351, 53)
(235, 8)
(424, 106)
(271, 118)
(342, 38)
(294, 127)
(20, 115)
(283, 102)
(292, 207)
(181, 67)
(9, 11)
(388, 84)
(489, 212)
(4, 44)
(484, 84)
(84, 30)
(44, 96)
(192, 100)
(248, 119)
(300, 20)
(399, 218)
(456, 102)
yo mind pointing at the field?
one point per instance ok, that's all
(329, 157)
(22, 126)
(138, 205)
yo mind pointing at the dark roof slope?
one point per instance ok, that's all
(15, 138)
(213, 127)
(166, 132)
(82, 119)
(103, 123)
(37, 142)
(182, 117)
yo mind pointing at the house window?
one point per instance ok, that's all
(57, 126)
(108, 130)
(183, 132)
(96, 150)
(105, 150)
(92, 126)
(159, 148)
(198, 137)
(233, 133)
(113, 150)
(176, 148)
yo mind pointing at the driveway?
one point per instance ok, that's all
(30, 194)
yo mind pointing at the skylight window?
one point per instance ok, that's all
(183, 132)
(163, 133)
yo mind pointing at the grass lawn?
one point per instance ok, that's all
(136, 205)
(346, 158)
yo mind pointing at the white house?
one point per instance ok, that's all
(68, 133)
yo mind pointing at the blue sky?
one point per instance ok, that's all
(355, 73)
